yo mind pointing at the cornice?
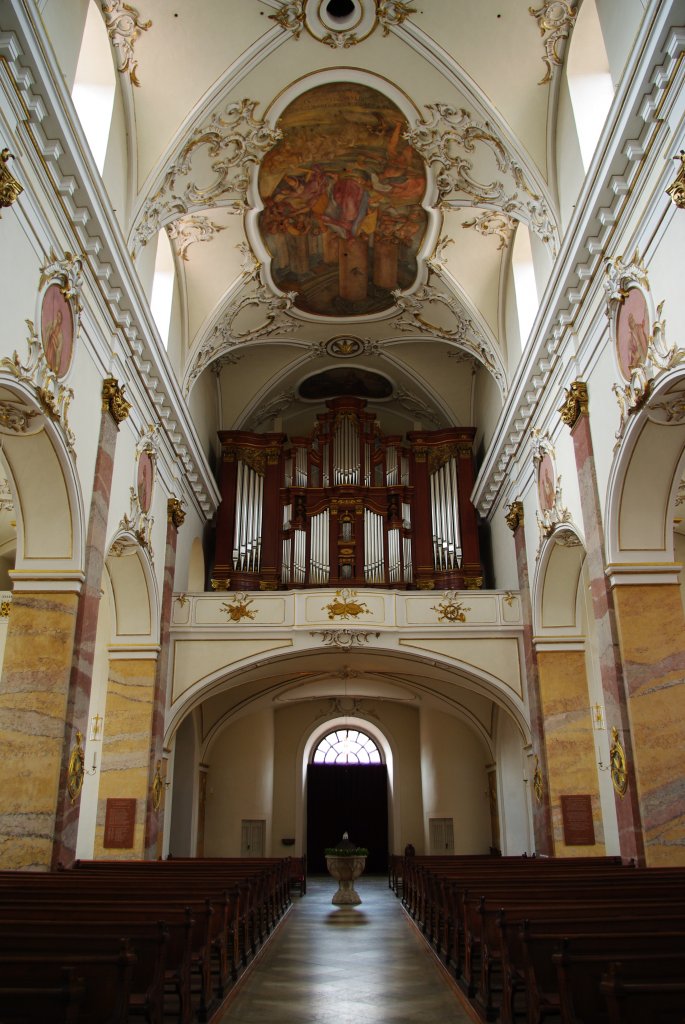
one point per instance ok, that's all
(634, 132)
(48, 118)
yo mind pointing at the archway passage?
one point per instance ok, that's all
(348, 798)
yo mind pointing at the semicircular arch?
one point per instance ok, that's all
(644, 479)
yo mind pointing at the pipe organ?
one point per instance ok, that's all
(347, 506)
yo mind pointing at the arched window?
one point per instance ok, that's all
(525, 287)
(94, 85)
(589, 80)
(347, 746)
(162, 296)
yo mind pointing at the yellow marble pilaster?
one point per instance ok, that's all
(651, 627)
(571, 760)
(126, 746)
(33, 704)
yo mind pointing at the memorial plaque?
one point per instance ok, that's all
(576, 812)
(120, 821)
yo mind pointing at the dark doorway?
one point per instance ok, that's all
(348, 798)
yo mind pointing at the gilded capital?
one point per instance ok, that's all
(514, 515)
(575, 403)
(175, 512)
(10, 189)
(113, 400)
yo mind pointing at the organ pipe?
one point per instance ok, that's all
(349, 506)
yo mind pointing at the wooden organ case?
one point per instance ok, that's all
(347, 506)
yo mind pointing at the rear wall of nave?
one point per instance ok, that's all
(256, 771)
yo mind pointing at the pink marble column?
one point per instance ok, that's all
(542, 811)
(114, 409)
(154, 814)
(575, 414)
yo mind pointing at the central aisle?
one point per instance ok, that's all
(346, 965)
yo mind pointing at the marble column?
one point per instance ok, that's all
(115, 409)
(126, 743)
(542, 814)
(154, 812)
(651, 627)
(33, 706)
(571, 758)
(575, 414)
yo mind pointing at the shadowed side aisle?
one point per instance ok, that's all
(346, 965)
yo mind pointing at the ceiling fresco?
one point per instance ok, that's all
(342, 191)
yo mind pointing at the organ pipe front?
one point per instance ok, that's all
(347, 506)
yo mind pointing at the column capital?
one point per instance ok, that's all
(175, 512)
(514, 516)
(575, 403)
(113, 400)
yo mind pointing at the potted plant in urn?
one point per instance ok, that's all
(345, 862)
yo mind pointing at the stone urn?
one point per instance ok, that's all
(345, 863)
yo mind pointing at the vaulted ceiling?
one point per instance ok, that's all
(341, 180)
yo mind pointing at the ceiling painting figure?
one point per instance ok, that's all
(342, 193)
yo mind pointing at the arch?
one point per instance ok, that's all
(643, 482)
(557, 581)
(432, 671)
(133, 591)
(45, 489)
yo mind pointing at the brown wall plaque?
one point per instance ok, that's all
(576, 811)
(120, 821)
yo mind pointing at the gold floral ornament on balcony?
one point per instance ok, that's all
(344, 605)
(239, 608)
(451, 609)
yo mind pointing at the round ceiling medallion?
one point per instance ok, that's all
(340, 23)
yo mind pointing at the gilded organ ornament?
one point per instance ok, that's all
(450, 609)
(345, 605)
(239, 608)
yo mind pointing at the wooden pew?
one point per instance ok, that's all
(633, 995)
(102, 979)
(583, 961)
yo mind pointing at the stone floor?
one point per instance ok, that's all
(346, 965)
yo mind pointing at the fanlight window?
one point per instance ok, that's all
(347, 746)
